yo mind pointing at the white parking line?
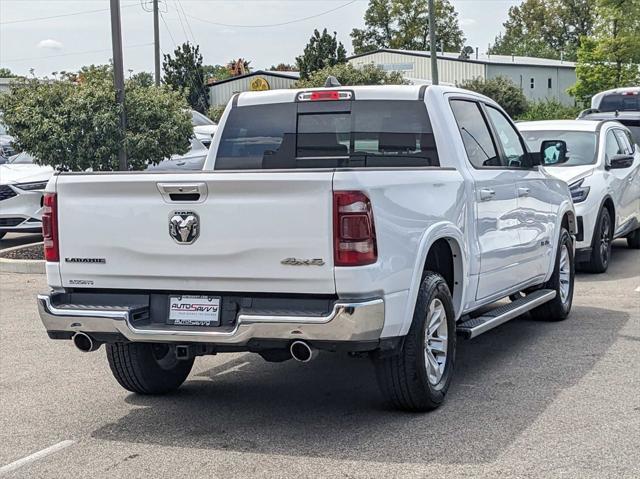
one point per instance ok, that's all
(232, 369)
(34, 457)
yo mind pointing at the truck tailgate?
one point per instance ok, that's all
(115, 231)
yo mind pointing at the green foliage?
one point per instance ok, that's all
(348, 75)
(610, 59)
(184, 72)
(549, 110)
(215, 72)
(323, 50)
(502, 90)
(215, 112)
(73, 123)
(545, 28)
(143, 79)
(404, 24)
(283, 67)
(6, 73)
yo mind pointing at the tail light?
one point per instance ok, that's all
(50, 227)
(325, 95)
(354, 235)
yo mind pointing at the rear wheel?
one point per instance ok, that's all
(633, 240)
(601, 245)
(417, 378)
(147, 368)
(562, 282)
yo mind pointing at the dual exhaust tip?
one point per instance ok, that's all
(85, 343)
(300, 351)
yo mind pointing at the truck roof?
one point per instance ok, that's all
(569, 125)
(369, 92)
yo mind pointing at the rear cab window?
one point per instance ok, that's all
(328, 134)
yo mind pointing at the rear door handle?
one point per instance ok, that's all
(523, 191)
(486, 194)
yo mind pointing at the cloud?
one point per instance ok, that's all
(50, 44)
(465, 22)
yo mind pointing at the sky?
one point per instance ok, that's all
(80, 32)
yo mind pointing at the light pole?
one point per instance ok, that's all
(156, 41)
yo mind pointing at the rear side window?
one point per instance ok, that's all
(365, 133)
(620, 102)
(475, 134)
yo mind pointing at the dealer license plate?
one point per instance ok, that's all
(194, 310)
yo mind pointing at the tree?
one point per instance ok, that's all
(502, 90)
(322, 50)
(348, 75)
(546, 28)
(611, 58)
(6, 73)
(143, 78)
(239, 67)
(404, 24)
(184, 72)
(74, 125)
(283, 67)
(215, 73)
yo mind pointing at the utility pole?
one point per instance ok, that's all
(433, 49)
(156, 41)
(118, 77)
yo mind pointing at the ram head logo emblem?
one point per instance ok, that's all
(184, 226)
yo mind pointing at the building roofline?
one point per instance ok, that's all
(257, 72)
(453, 59)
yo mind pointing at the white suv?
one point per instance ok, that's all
(603, 173)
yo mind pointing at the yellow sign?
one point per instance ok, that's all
(259, 84)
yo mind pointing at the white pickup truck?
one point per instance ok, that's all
(366, 219)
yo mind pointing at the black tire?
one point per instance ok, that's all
(403, 377)
(147, 368)
(560, 307)
(601, 244)
(633, 240)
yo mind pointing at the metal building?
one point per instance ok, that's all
(221, 92)
(539, 78)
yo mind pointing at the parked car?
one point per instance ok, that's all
(6, 142)
(203, 128)
(21, 186)
(191, 160)
(380, 220)
(620, 104)
(603, 173)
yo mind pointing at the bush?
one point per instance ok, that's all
(348, 75)
(549, 110)
(73, 123)
(502, 90)
(215, 112)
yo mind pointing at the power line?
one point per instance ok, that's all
(187, 21)
(73, 53)
(84, 12)
(274, 24)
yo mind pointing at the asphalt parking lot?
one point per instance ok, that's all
(18, 239)
(529, 399)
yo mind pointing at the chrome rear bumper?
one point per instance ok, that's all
(348, 321)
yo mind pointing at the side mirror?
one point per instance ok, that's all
(617, 162)
(553, 152)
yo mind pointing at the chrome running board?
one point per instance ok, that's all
(476, 326)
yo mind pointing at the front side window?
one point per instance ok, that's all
(623, 141)
(612, 148)
(365, 133)
(475, 133)
(515, 154)
(581, 145)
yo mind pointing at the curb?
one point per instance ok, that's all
(26, 266)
